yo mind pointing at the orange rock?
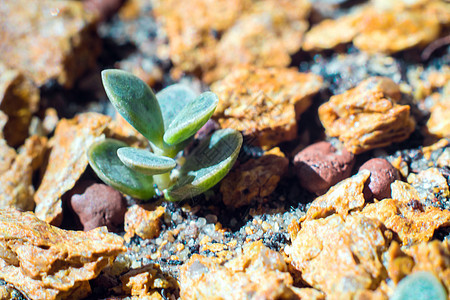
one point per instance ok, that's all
(340, 257)
(398, 264)
(143, 221)
(345, 196)
(19, 100)
(255, 179)
(264, 103)
(412, 222)
(46, 262)
(439, 122)
(48, 39)
(258, 271)
(367, 116)
(217, 35)
(120, 129)
(67, 162)
(145, 281)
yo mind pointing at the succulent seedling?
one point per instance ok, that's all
(168, 120)
(420, 285)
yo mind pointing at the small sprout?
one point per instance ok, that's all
(169, 121)
(419, 285)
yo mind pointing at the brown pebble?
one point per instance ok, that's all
(382, 174)
(320, 166)
(99, 205)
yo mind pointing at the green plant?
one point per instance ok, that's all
(419, 285)
(168, 120)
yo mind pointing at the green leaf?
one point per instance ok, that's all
(191, 118)
(207, 165)
(135, 101)
(419, 285)
(172, 100)
(144, 161)
(107, 165)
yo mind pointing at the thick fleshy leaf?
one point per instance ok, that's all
(172, 100)
(419, 285)
(191, 118)
(135, 101)
(144, 161)
(107, 165)
(207, 165)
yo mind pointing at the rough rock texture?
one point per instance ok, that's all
(411, 221)
(320, 166)
(264, 103)
(255, 179)
(16, 172)
(145, 281)
(380, 30)
(46, 262)
(343, 197)
(367, 116)
(439, 122)
(340, 257)
(67, 162)
(100, 205)
(19, 100)
(143, 221)
(431, 187)
(62, 53)
(382, 174)
(218, 35)
(258, 273)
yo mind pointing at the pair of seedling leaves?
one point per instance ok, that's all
(168, 120)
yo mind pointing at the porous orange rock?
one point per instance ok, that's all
(46, 262)
(143, 221)
(340, 257)
(217, 35)
(19, 100)
(258, 273)
(439, 122)
(255, 179)
(264, 103)
(343, 197)
(381, 28)
(27, 44)
(16, 188)
(145, 281)
(67, 162)
(412, 222)
(367, 116)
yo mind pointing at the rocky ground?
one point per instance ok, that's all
(341, 188)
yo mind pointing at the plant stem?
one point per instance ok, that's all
(163, 181)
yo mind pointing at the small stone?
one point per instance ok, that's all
(99, 205)
(255, 179)
(320, 166)
(439, 122)
(143, 221)
(382, 174)
(367, 116)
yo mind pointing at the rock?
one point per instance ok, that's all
(255, 179)
(439, 122)
(218, 36)
(341, 198)
(382, 174)
(355, 245)
(100, 205)
(48, 39)
(320, 166)
(258, 271)
(367, 116)
(16, 187)
(67, 162)
(46, 262)
(145, 281)
(143, 221)
(264, 103)
(19, 100)
(431, 187)
(412, 222)
(381, 30)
